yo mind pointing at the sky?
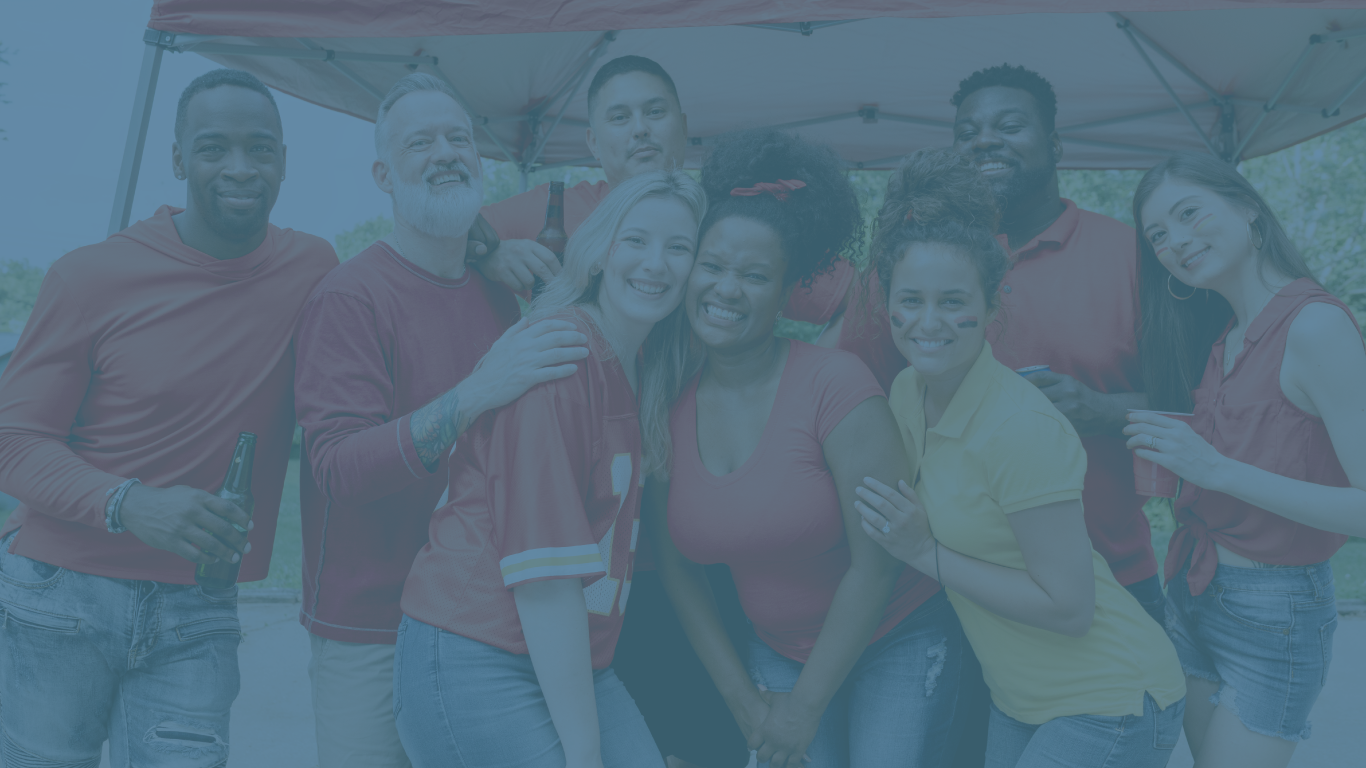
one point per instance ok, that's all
(72, 73)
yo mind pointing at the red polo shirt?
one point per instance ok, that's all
(1069, 301)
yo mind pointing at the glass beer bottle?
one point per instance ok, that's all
(222, 574)
(553, 236)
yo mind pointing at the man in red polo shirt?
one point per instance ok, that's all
(144, 358)
(1070, 301)
(400, 349)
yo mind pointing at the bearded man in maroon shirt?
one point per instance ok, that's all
(400, 349)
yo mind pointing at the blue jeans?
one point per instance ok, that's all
(150, 667)
(460, 703)
(897, 706)
(1265, 635)
(1086, 741)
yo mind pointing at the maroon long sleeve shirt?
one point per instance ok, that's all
(379, 339)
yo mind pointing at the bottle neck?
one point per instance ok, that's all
(238, 479)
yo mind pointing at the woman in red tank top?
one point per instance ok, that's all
(1273, 464)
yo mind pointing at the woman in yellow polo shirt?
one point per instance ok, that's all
(1079, 674)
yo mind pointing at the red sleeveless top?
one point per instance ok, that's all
(1247, 417)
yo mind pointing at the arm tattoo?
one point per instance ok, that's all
(435, 427)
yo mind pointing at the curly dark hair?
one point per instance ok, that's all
(939, 196)
(1012, 77)
(816, 223)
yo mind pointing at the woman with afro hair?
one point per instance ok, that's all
(852, 658)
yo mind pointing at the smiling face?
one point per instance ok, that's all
(938, 312)
(1197, 235)
(430, 164)
(636, 125)
(232, 154)
(736, 288)
(646, 270)
(1001, 130)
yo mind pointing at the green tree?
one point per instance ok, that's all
(18, 290)
(362, 236)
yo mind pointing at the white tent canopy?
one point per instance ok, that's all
(872, 78)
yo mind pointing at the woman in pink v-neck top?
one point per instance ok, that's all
(776, 519)
(853, 659)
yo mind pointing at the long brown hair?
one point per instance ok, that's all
(669, 359)
(1175, 336)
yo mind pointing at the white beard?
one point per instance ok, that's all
(448, 213)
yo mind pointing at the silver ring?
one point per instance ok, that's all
(1152, 442)
(886, 527)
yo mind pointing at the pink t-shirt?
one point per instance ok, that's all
(144, 358)
(776, 520)
(522, 216)
(379, 339)
(547, 487)
(1069, 301)
(1246, 416)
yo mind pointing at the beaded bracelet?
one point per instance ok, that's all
(113, 507)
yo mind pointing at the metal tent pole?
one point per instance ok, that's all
(577, 80)
(1270, 104)
(1127, 28)
(155, 45)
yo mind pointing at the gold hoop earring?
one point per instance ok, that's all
(1173, 293)
(1254, 236)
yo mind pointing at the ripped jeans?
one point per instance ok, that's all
(150, 667)
(897, 706)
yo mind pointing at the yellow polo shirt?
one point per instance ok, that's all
(999, 448)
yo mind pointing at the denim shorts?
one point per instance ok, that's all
(1265, 635)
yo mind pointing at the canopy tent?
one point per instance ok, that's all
(1237, 78)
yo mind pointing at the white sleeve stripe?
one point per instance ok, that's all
(551, 571)
(543, 553)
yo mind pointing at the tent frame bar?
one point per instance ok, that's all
(577, 80)
(1126, 27)
(156, 45)
(803, 28)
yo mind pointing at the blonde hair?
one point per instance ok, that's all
(670, 355)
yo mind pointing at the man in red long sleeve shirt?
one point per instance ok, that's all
(399, 350)
(144, 358)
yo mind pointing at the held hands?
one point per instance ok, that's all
(896, 520)
(785, 731)
(188, 522)
(517, 263)
(1172, 444)
(524, 356)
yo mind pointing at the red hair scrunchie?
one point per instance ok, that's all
(778, 189)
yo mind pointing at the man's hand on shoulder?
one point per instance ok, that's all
(188, 522)
(527, 354)
(481, 240)
(517, 263)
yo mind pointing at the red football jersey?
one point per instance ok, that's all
(547, 487)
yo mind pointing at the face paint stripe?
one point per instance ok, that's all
(966, 321)
(1161, 251)
(1201, 222)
